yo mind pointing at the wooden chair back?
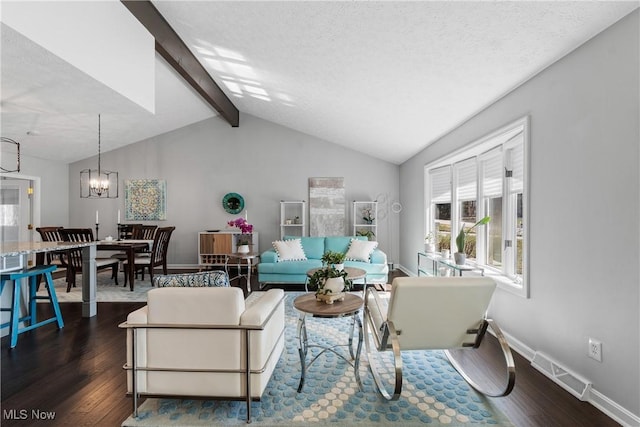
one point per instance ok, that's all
(50, 234)
(144, 232)
(161, 246)
(76, 235)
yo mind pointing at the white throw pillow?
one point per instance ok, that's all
(289, 250)
(361, 250)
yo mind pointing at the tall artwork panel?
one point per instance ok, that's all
(327, 207)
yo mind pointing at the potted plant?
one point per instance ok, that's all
(367, 215)
(330, 284)
(461, 256)
(368, 233)
(429, 245)
(244, 239)
(334, 259)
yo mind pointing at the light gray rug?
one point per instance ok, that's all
(107, 290)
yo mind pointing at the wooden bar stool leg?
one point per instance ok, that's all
(15, 313)
(33, 288)
(54, 299)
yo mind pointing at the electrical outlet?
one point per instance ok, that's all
(595, 349)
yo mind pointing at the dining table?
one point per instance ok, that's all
(130, 247)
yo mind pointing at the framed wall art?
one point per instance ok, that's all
(145, 200)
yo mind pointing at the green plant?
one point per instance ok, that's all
(368, 233)
(462, 236)
(320, 276)
(428, 238)
(330, 257)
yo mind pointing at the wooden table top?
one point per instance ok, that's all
(307, 303)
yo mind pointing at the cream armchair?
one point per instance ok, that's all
(432, 313)
(205, 342)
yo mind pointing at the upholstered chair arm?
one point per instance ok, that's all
(139, 317)
(269, 255)
(376, 312)
(263, 309)
(378, 257)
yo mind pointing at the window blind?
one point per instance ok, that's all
(466, 178)
(440, 185)
(516, 164)
(492, 173)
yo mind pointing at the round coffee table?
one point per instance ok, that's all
(308, 305)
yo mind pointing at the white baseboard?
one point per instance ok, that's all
(606, 405)
(405, 270)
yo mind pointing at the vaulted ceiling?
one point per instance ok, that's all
(383, 78)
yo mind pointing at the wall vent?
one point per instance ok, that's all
(569, 381)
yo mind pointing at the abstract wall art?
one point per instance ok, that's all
(326, 207)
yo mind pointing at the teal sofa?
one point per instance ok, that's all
(272, 271)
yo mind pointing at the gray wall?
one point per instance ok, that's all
(54, 194)
(584, 232)
(260, 160)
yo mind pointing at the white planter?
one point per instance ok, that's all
(243, 249)
(429, 248)
(338, 267)
(332, 290)
(334, 285)
(460, 258)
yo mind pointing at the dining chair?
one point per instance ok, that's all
(75, 255)
(158, 255)
(144, 232)
(125, 231)
(52, 234)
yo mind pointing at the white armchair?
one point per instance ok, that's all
(431, 313)
(202, 342)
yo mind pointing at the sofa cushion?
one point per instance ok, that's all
(289, 250)
(313, 246)
(340, 243)
(360, 250)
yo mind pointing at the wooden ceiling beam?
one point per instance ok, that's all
(176, 53)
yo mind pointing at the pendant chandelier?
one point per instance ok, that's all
(11, 149)
(98, 183)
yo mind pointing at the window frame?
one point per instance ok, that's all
(506, 137)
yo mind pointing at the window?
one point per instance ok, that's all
(486, 178)
(440, 207)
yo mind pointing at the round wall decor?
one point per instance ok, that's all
(233, 203)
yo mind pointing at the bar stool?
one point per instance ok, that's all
(32, 274)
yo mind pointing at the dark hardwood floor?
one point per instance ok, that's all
(76, 374)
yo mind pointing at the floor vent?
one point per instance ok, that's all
(571, 382)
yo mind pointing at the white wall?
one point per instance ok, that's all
(260, 160)
(584, 230)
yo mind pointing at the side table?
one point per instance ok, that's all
(240, 257)
(308, 305)
(436, 259)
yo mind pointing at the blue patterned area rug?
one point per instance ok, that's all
(433, 392)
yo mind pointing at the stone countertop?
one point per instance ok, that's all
(25, 248)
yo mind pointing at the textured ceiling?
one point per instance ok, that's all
(384, 78)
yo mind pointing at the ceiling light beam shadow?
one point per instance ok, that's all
(176, 53)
